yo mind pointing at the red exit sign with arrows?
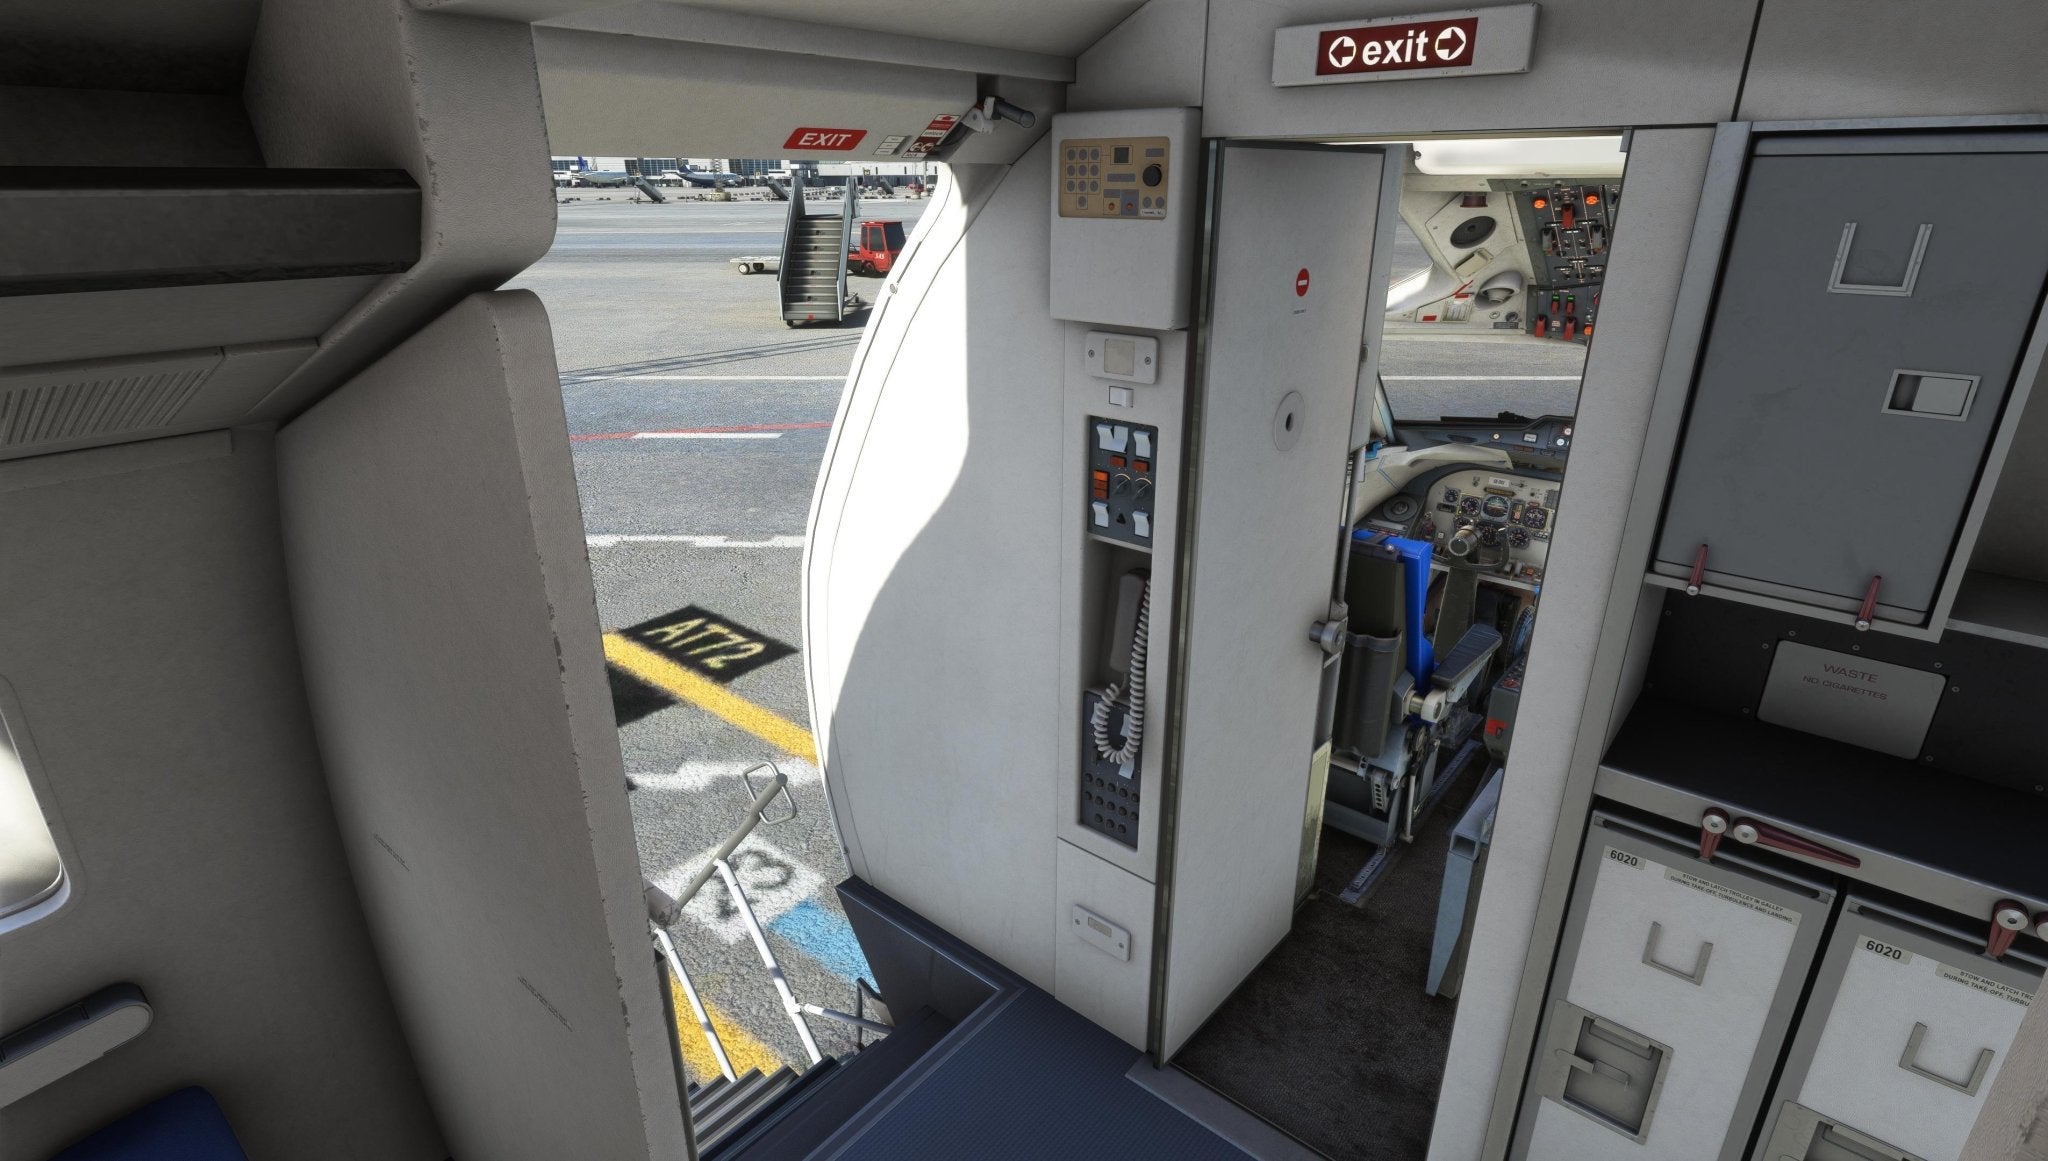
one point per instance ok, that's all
(1429, 44)
(1464, 42)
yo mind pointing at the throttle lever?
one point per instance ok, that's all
(1750, 832)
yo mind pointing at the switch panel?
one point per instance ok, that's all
(1114, 177)
(1121, 478)
(1109, 793)
(1571, 226)
(1122, 216)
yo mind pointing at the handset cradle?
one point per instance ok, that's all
(1127, 685)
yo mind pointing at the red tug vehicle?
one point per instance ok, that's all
(876, 249)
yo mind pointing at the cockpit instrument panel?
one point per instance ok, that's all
(1498, 520)
(1507, 514)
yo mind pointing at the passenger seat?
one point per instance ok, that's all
(184, 1126)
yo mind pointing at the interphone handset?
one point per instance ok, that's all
(1127, 686)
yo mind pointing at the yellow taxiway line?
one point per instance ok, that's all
(741, 1046)
(708, 695)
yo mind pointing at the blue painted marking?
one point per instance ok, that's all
(825, 937)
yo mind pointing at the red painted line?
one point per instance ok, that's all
(703, 430)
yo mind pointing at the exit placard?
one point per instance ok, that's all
(1466, 42)
(811, 139)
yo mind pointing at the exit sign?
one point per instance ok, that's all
(810, 140)
(1467, 42)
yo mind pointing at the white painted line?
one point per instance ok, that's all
(773, 879)
(613, 540)
(707, 435)
(575, 378)
(691, 777)
(1480, 378)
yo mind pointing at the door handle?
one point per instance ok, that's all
(1910, 1061)
(1699, 963)
(1596, 1067)
(1905, 287)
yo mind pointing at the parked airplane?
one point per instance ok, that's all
(582, 175)
(703, 178)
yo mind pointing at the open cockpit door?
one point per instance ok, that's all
(1295, 251)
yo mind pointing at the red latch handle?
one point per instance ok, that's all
(1713, 824)
(1751, 832)
(1869, 610)
(2008, 919)
(1699, 573)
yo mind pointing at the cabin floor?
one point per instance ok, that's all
(1332, 1038)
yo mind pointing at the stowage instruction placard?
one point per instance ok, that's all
(1978, 983)
(1730, 895)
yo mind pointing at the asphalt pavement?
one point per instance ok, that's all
(698, 421)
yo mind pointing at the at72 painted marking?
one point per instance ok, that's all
(699, 639)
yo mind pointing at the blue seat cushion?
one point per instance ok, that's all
(184, 1126)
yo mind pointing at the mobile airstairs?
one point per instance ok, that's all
(813, 266)
(967, 1060)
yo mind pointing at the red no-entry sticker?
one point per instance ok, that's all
(1301, 283)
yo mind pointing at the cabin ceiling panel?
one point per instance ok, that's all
(194, 46)
(1855, 58)
(1058, 27)
(641, 96)
(746, 29)
(1061, 28)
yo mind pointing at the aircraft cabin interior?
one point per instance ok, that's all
(1464, 584)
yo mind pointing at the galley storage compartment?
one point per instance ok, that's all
(1873, 338)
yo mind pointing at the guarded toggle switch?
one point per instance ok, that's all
(1141, 444)
(1112, 437)
(1141, 523)
(1101, 511)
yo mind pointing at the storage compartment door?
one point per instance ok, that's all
(1902, 1039)
(1871, 315)
(1671, 999)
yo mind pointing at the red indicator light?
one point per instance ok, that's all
(1540, 202)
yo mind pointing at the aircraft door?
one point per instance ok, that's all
(1289, 273)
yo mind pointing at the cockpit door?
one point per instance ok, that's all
(1289, 273)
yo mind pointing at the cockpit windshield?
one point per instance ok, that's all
(1495, 286)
